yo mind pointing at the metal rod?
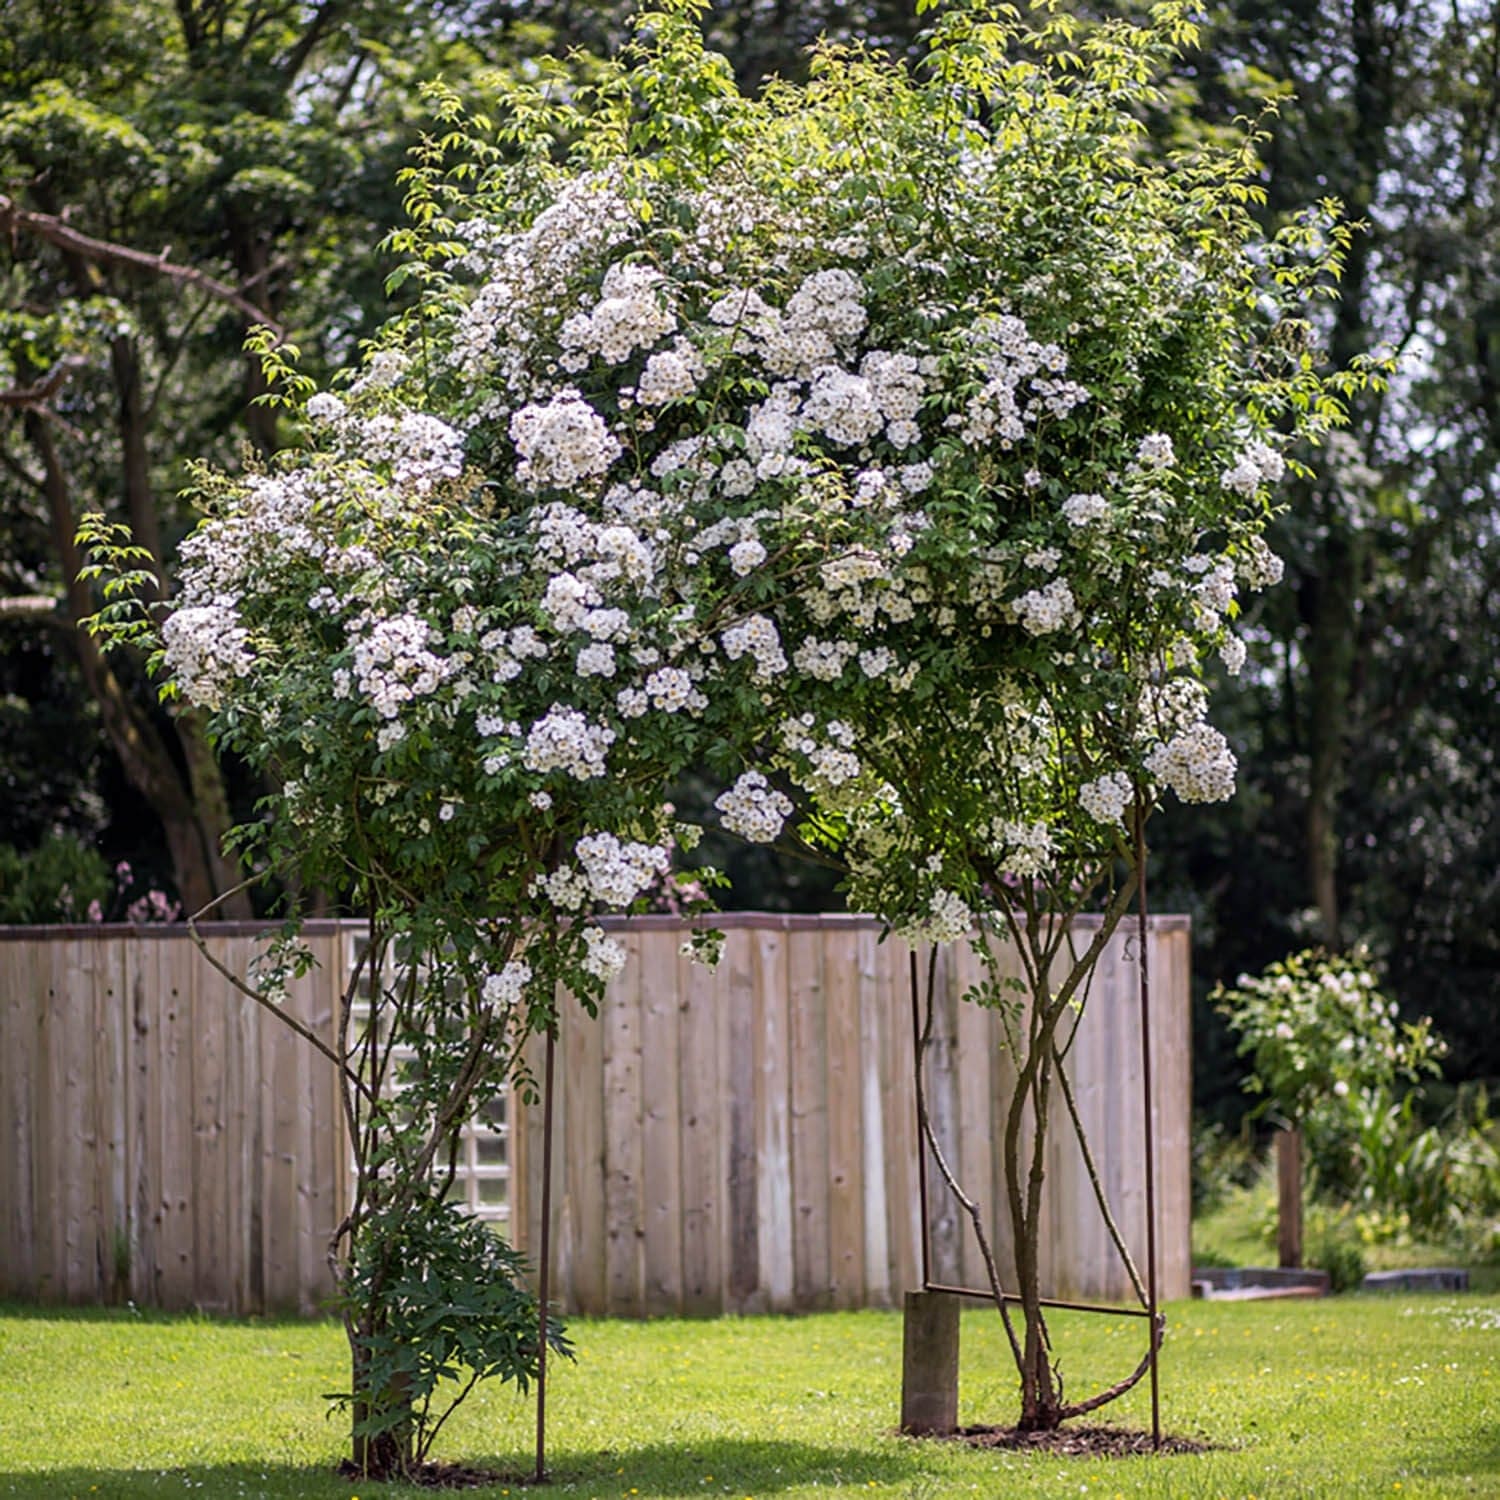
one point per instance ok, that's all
(544, 1277)
(985, 1294)
(916, 1081)
(1145, 973)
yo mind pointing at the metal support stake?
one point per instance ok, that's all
(544, 1276)
(1145, 972)
(916, 1078)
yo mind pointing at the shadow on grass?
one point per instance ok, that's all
(747, 1466)
(1475, 1452)
(127, 1312)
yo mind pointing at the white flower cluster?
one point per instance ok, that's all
(1259, 464)
(232, 556)
(1156, 451)
(633, 312)
(520, 273)
(393, 665)
(1025, 848)
(753, 809)
(1213, 594)
(1018, 384)
(824, 661)
(1106, 797)
(505, 988)
(566, 739)
(1257, 566)
(758, 638)
(825, 311)
(670, 375)
(746, 556)
(617, 872)
(671, 689)
(207, 647)
(946, 920)
(1196, 763)
(420, 450)
(842, 407)
(603, 956)
(323, 408)
(1085, 510)
(562, 442)
(1044, 610)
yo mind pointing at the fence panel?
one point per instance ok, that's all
(730, 1141)
(778, 1170)
(165, 1141)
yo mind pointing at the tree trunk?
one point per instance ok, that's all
(1334, 594)
(381, 1455)
(194, 828)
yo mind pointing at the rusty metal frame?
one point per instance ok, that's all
(1149, 1309)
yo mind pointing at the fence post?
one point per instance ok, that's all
(1289, 1196)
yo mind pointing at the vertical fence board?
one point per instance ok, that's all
(205, 1003)
(583, 1169)
(325, 1179)
(44, 1133)
(115, 1121)
(622, 1137)
(976, 1053)
(17, 1248)
(846, 1233)
(49, 1128)
(807, 960)
(1173, 1087)
(738, 1044)
(899, 1109)
(872, 1022)
(661, 1128)
(944, 1078)
(703, 1159)
(773, 1122)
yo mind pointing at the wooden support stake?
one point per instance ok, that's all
(929, 1364)
(1289, 1197)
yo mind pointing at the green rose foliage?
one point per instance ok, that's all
(907, 437)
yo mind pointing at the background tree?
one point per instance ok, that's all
(1365, 722)
(170, 175)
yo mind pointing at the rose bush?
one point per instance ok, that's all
(898, 446)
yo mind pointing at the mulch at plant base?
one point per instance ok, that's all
(1080, 1442)
(441, 1476)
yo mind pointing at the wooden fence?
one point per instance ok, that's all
(164, 1140)
(728, 1140)
(744, 1139)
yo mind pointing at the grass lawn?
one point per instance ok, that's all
(1355, 1396)
(1241, 1232)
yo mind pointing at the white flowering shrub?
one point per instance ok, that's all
(1328, 1055)
(898, 446)
(1320, 1035)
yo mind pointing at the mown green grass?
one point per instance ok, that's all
(1348, 1397)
